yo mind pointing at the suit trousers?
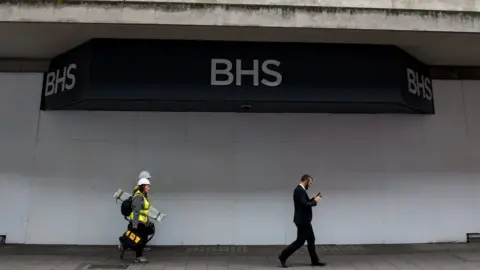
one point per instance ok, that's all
(304, 233)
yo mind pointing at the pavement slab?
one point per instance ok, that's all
(388, 257)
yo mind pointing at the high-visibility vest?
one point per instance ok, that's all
(143, 217)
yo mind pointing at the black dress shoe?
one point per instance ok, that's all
(319, 263)
(283, 262)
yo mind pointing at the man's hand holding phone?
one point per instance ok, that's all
(318, 197)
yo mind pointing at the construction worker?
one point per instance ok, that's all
(139, 215)
(138, 219)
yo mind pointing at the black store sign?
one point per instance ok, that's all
(218, 76)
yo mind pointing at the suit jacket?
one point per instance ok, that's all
(303, 206)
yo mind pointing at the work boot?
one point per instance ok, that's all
(122, 250)
(141, 260)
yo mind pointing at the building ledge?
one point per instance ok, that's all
(227, 14)
(457, 5)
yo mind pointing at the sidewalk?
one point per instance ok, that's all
(354, 257)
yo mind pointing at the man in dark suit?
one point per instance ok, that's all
(303, 220)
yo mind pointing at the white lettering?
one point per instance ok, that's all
(241, 73)
(215, 72)
(412, 85)
(273, 73)
(71, 77)
(428, 89)
(419, 85)
(60, 79)
(49, 84)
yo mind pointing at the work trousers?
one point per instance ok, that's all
(142, 232)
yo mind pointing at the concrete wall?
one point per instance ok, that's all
(228, 178)
(19, 116)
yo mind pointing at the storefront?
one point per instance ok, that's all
(226, 129)
(214, 76)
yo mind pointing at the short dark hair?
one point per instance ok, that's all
(306, 177)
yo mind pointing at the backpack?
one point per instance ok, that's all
(126, 207)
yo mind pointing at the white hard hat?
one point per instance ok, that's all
(143, 181)
(144, 174)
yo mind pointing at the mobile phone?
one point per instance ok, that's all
(319, 194)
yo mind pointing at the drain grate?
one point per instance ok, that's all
(108, 266)
(217, 249)
(341, 248)
(473, 237)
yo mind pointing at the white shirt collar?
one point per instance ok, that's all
(302, 186)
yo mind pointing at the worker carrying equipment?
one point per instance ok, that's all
(138, 212)
(126, 209)
(126, 206)
(142, 214)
